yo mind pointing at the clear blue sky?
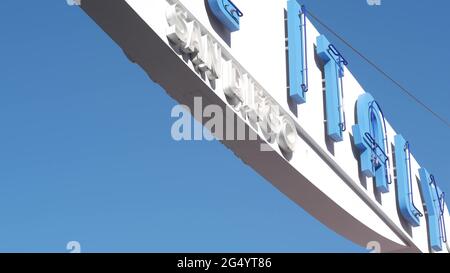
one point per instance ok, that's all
(86, 152)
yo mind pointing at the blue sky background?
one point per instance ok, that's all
(86, 152)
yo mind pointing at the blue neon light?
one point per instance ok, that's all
(434, 201)
(369, 136)
(227, 13)
(404, 182)
(298, 61)
(334, 71)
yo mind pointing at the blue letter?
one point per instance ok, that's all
(227, 13)
(298, 74)
(369, 136)
(434, 199)
(334, 71)
(404, 182)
